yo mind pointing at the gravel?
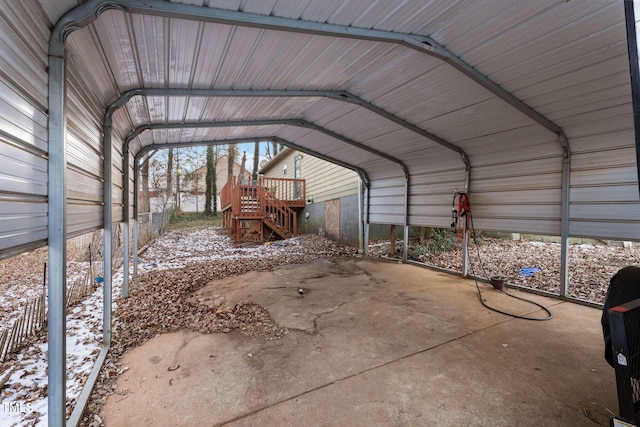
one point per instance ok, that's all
(590, 266)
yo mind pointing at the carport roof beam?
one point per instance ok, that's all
(85, 13)
(288, 122)
(361, 173)
(342, 96)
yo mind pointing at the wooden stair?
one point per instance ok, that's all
(250, 207)
(279, 217)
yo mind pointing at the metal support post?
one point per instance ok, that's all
(465, 247)
(57, 235)
(360, 216)
(108, 223)
(136, 189)
(565, 223)
(634, 71)
(405, 246)
(125, 203)
(125, 260)
(366, 220)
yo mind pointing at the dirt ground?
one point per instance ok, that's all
(369, 343)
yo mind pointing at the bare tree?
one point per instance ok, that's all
(178, 209)
(210, 183)
(145, 205)
(169, 187)
(214, 181)
(256, 159)
(158, 168)
(232, 152)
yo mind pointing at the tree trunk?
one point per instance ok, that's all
(214, 182)
(210, 178)
(178, 201)
(231, 159)
(145, 206)
(256, 160)
(169, 190)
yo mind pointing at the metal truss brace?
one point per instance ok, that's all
(361, 173)
(342, 96)
(92, 9)
(270, 122)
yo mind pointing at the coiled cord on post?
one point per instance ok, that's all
(482, 300)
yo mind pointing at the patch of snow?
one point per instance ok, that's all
(26, 389)
(539, 243)
(24, 397)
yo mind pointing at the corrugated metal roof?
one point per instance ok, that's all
(566, 60)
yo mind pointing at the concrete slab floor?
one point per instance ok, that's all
(373, 343)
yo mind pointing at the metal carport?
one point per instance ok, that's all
(526, 105)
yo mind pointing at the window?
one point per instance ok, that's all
(297, 161)
(297, 186)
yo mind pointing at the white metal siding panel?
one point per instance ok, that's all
(386, 201)
(21, 120)
(578, 76)
(604, 194)
(435, 175)
(118, 50)
(117, 176)
(23, 224)
(518, 190)
(23, 42)
(619, 230)
(604, 182)
(566, 59)
(590, 75)
(22, 173)
(523, 37)
(431, 195)
(132, 190)
(82, 217)
(264, 7)
(84, 153)
(320, 11)
(448, 91)
(23, 127)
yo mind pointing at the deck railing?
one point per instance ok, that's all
(291, 192)
(268, 200)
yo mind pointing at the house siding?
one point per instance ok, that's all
(324, 180)
(332, 198)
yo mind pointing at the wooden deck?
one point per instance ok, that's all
(249, 206)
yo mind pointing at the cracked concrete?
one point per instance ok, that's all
(372, 343)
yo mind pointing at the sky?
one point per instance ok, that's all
(200, 159)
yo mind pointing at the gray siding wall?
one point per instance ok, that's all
(579, 82)
(24, 36)
(23, 127)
